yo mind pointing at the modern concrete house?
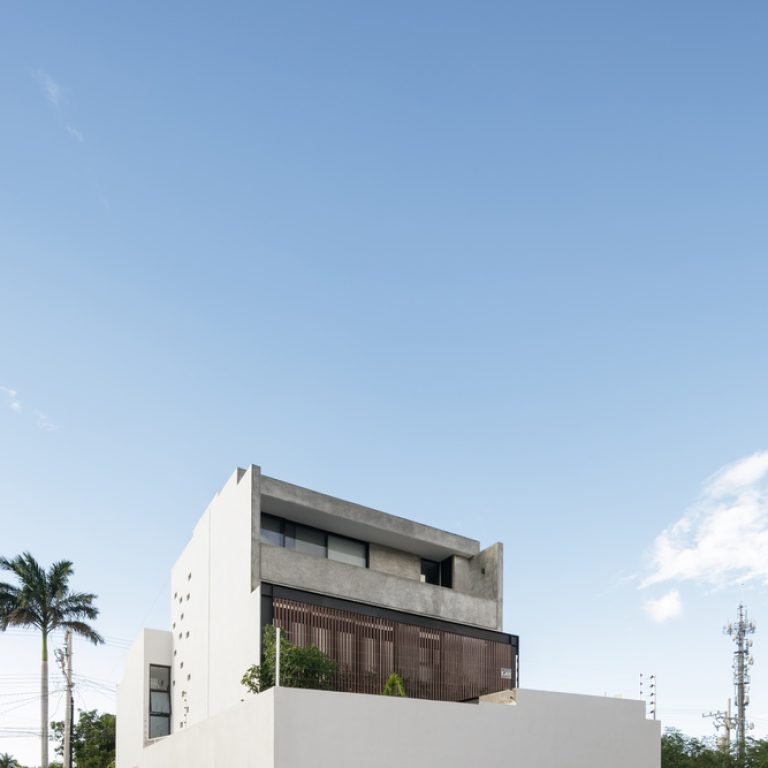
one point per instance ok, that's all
(379, 594)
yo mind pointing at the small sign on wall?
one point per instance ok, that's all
(506, 673)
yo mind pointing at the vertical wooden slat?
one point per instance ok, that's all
(436, 664)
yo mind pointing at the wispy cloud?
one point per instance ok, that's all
(52, 90)
(664, 608)
(74, 133)
(57, 96)
(722, 539)
(11, 400)
(41, 420)
(43, 423)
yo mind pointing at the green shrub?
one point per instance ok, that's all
(299, 667)
(395, 686)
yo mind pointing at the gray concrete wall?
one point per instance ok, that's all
(293, 569)
(483, 576)
(394, 562)
(358, 521)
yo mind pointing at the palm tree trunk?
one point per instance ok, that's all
(44, 705)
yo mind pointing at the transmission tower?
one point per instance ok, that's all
(742, 661)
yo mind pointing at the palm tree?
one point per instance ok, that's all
(42, 600)
(6, 761)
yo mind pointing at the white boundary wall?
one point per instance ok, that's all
(292, 728)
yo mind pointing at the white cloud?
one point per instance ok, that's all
(53, 91)
(665, 607)
(43, 423)
(723, 538)
(56, 95)
(74, 133)
(11, 399)
(41, 420)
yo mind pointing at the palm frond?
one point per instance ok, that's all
(83, 629)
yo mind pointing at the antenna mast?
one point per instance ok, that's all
(742, 661)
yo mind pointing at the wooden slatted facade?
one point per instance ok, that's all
(435, 662)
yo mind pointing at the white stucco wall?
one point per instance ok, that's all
(214, 614)
(291, 728)
(153, 646)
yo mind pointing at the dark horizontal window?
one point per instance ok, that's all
(313, 541)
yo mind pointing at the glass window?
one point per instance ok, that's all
(159, 703)
(347, 550)
(159, 725)
(310, 541)
(159, 678)
(430, 572)
(446, 572)
(272, 530)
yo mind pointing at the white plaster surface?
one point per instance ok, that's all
(292, 728)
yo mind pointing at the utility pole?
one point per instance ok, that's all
(69, 710)
(725, 721)
(648, 693)
(742, 661)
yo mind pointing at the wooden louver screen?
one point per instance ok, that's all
(435, 663)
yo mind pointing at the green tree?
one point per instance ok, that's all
(681, 751)
(299, 667)
(756, 753)
(7, 761)
(42, 600)
(93, 742)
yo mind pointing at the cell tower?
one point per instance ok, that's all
(742, 661)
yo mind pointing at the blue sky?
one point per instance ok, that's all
(499, 267)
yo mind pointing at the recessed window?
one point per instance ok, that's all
(272, 530)
(159, 701)
(310, 541)
(313, 541)
(349, 551)
(440, 574)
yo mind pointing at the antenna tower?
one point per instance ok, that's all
(742, 661)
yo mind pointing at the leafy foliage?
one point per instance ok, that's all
(299, 667)
(395, 686)
(42, 599)
(8, 761)
(94, 739)
(681, 751)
